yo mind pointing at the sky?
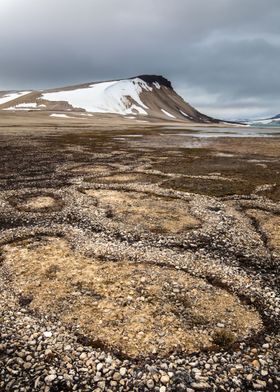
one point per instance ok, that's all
(222, 56)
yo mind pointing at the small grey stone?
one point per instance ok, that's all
(50, 378)
(27, 365)
(150, 383)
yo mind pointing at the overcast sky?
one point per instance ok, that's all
(222, 56)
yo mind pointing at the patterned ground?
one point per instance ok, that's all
(144, 248)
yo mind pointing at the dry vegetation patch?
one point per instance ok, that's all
(130, 307)
(37, 202)
(147, 211)
(272, 191)
(126, 178)
(96, 169)
(269, 225)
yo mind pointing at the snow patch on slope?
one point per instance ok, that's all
(12, 96)
(167, 113)
(184, 114)
(121, 97)
(157, 85)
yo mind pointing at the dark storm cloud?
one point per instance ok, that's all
(222, 55)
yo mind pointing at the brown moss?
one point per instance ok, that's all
(224, 338)
(149, 212)
(128, 307)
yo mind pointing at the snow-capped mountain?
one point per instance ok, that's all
(266, 122)
(148, 96)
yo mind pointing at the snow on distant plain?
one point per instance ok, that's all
(85, 114)
(26, 106)
(131, 135)
(12, 96)
(59, 115)
(106, 97)
(76, 116)
(167, 114)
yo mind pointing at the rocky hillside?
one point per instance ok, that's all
(144, 96)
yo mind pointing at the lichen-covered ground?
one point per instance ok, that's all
(138, 263)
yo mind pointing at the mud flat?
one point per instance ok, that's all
(138, 259)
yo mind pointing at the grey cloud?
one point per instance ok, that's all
(220, 54)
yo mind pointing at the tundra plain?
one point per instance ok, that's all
(138, 256)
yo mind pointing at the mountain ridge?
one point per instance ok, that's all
(145, 96)
(266, 122)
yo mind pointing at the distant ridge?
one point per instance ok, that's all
(266, 122)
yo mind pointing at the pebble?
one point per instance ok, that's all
(83, 356)
(207, 366)
(27, 365)
(123, 371)
(47, 334)
(165, 379)
(259, 384)
(150, 383)
(117, 376)
(264, 373)
(256, 364)
(50, 378)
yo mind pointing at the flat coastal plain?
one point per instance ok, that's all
(138, 257)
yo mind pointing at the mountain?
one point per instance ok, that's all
(148, 97)
(266, 122)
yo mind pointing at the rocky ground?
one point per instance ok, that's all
(131, 261)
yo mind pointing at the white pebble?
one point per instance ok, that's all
(47, 334)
